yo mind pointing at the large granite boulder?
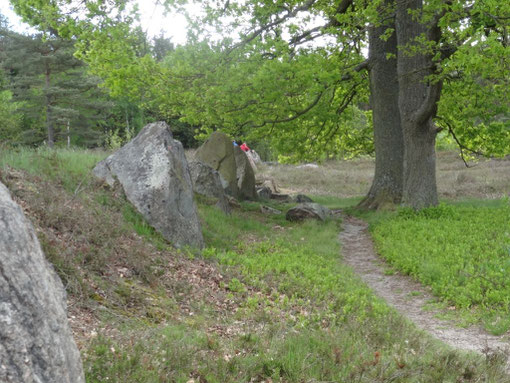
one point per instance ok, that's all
(206, 182)
(36, 343)
(154, 175)
(245, 176)
(308, 210)
(218, 153)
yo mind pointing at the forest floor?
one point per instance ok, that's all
(267, 300)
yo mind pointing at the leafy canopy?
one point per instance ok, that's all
(288, 72)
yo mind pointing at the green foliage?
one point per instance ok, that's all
(305, 100)
(462, 252)
(52, 92)
(10, 118)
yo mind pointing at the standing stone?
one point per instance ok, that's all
(245, 176)
(36, 343)
(154, 174)
(206, 181)
(218, 153)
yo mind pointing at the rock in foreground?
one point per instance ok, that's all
(36, 342)
(308, 210)
(154, 174)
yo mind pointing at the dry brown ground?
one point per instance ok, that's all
(485, 179)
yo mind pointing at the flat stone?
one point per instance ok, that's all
(306, 211)
(269, 210)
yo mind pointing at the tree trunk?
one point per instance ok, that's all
(387, 185)
(418, 106)
(49, 123)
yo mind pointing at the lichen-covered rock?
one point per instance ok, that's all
(206, 181)
(218, 153)
(36, 343)
(154, 175)
(308, 210)
(245, 176)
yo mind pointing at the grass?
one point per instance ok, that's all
(461, 251)
(266, 301)
(69, 167)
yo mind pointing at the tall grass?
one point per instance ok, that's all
(70, 167)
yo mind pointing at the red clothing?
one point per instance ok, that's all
(245, 147)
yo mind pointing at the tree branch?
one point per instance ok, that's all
(462, 147)
(358, 68)
(428, 108)
(278, 21)
(296, 114)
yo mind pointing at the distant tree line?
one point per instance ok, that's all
(49, 97)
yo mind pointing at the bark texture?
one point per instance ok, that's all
(418, 106)
(387, 184)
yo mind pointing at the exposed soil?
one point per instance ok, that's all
(407, 296)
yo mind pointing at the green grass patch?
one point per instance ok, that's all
(69, 167)
(462, 251)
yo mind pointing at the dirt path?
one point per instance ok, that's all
(358, 252)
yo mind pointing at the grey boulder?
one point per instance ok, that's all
(36, 344)
(155, 177)
(245, 176)
(308, 210)
(218, 152)
(206, 182)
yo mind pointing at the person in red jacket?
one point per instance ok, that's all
(245, 147)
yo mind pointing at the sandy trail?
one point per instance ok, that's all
(358, 252)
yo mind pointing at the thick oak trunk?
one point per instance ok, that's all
(418, 106)
(387, 185)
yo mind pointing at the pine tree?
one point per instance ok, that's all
(60, 101)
